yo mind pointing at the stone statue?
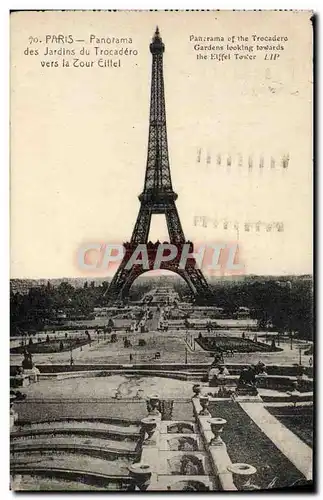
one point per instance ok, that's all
(247, 382)
(27, 362)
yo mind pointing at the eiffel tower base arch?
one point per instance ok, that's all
(191, 274)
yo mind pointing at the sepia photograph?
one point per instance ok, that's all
(161, 253)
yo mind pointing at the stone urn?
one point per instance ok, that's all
(197, 390)
(204, 402)
(141, 475)
(217, 425)
(13, 413)
(242, 474)
(149, 425)
(153, 404)
(13, 418)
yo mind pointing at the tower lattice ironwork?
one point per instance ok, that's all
(157, 197)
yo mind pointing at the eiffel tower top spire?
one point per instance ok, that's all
(157, 46)
(158, 185)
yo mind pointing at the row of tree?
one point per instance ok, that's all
(286, 306)
(282, 305)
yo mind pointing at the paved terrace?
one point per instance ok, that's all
(171, 345)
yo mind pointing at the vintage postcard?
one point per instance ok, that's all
(161, 294)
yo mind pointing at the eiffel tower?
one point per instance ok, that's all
(157, 197)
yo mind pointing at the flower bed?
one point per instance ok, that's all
(51, 346)
(236, 344)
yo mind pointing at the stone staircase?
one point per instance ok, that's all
(206, 443)
(81, 454)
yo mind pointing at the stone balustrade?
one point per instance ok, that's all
(181, 467)
(216, 448)
(170, 368)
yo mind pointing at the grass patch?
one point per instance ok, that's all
(247, 443)
(299, 420)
